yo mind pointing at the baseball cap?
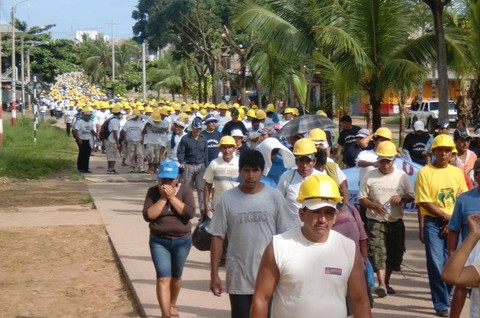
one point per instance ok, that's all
(364, 132)
(419, 126)
(236, 133)
(317, 203)
(210, 118)
(180, 123)
(234, 112)
(443, 125)
(168, 170)
(476, 165)
(197, 122)
(461, 133)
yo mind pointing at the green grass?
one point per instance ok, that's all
(21, 157)
(392, 120)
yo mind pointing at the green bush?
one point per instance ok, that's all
(21, 157)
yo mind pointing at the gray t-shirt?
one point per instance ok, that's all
(249, 221)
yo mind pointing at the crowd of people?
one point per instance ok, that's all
(276, 205)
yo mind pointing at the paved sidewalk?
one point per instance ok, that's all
(120, 204)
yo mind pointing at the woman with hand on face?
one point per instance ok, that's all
(169, 207)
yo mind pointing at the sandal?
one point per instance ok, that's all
(390, 290)
(176, 315)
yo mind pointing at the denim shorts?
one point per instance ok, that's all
(169, 255)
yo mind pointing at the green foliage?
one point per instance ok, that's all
(131, 76)
(54, 57)
(119, 88)
(22, 158)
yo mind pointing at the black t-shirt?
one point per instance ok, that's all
(227, 129)
(347, 139)
(351, 153)
(415, 144)
(213, 138)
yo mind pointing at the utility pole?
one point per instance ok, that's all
(144, 71)
(112, 24)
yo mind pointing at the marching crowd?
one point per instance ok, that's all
(276, 205)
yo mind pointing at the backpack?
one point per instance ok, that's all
(104, 132)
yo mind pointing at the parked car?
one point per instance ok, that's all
(427, 112)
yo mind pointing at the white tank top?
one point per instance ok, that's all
(313, 276)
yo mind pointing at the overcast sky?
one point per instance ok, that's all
(72, 15)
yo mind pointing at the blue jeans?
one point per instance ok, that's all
(169, 255)
(437, 255)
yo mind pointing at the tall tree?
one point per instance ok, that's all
(437, 7)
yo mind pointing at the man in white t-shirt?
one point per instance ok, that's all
(249, 215)
(112, 143)
(289, 184)
(221, 172)
(132, 133)
(310, 270)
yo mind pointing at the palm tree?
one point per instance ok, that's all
(176, 77)
(99, 62)
(359, 45)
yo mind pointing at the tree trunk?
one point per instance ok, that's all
(376, 112)
(401, 128)
(437, 10)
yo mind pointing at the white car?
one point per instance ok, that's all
(427, 112)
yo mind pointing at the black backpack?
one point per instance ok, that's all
(104, 132)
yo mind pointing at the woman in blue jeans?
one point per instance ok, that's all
(169, 207)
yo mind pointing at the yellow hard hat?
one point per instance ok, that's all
(261, 114)
(88, 110)
(288, 110)
(270, 108)
(137, 112)
(227, 141)
(304, 147)
(321, 113)
(156, 116)
(203, 111)
(383, 132)
(296, 112)
(222, 106)
(187, 109)
(317, 134)
(116, 109)
(443, 140)
(164, 111)
(183, 116)
(386, 149)
(251, 113)
(148, 109)
(319, 186)
(140, 107)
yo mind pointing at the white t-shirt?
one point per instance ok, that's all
(133, 129)
(223, 175)
(249, 221)
(113, 124)
(154, 133)
(172, 152)
(70, 115)
(289, 186)
(380, 188)
(313, 276)
(369, 156)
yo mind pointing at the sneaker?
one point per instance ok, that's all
(442, 313)
(381, 291)
(113, 171)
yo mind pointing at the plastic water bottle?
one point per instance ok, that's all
(388, 207)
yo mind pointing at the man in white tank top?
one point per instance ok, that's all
(310, 270)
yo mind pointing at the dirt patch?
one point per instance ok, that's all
(57, 271)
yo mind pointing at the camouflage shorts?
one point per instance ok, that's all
(386, 244)
(111, 151)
